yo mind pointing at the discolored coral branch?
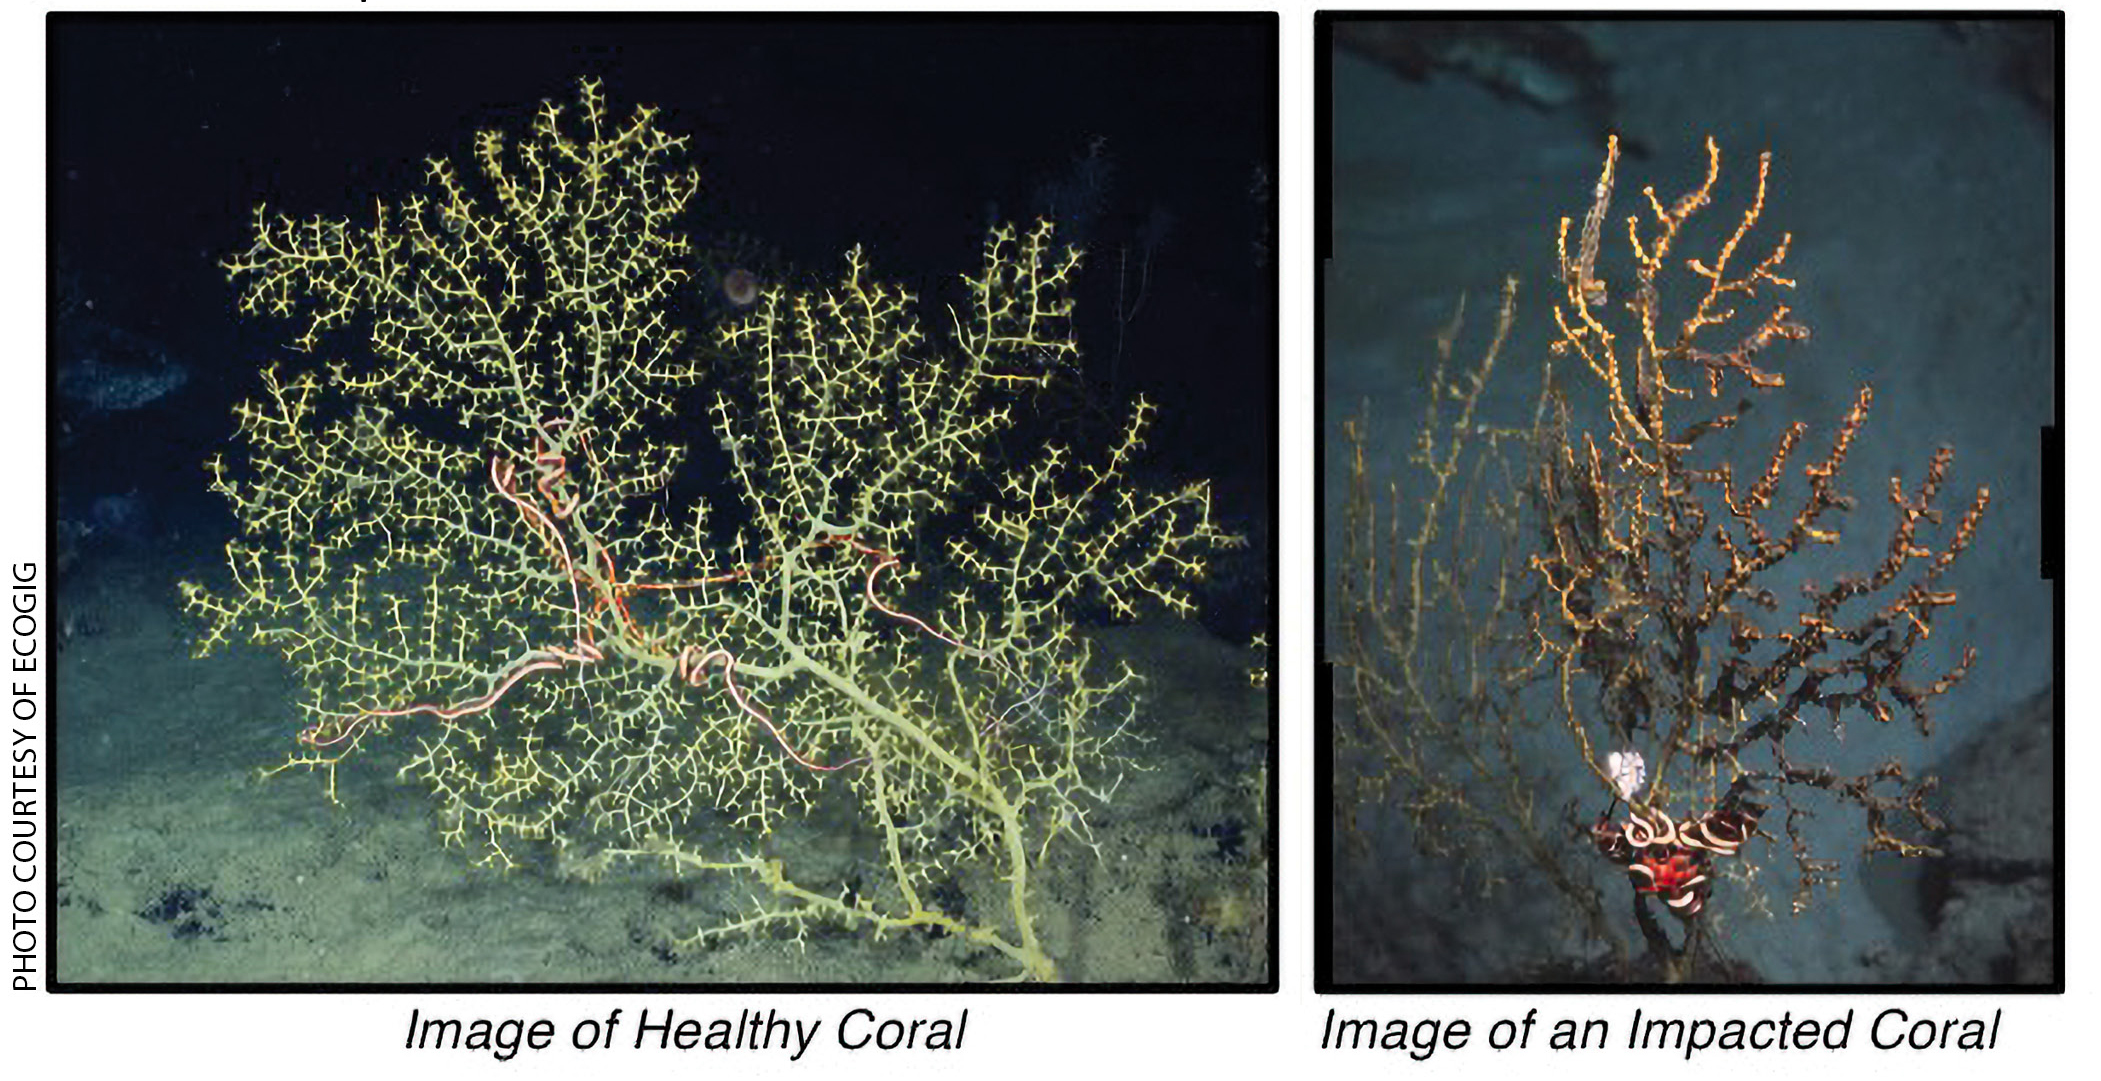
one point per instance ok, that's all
(1657, 563)
(1616, 570)
(1433, 654)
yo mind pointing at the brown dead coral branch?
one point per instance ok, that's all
(1620, 569)
(1660, 574)
(1433, 655)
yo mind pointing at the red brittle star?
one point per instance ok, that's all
(693, 662)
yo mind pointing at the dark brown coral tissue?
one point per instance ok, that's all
(1619, 578)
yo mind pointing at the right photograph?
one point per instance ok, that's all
(1691, 503)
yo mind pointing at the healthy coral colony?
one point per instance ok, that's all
(468, 539)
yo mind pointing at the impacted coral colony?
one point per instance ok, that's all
(477, 543)
(1612, 569)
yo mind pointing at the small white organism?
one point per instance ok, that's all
(1628, 771)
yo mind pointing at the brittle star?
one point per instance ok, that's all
(693, 661)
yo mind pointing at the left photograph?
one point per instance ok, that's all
(564, 501)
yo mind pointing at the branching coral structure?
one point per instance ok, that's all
(1618, 580)
(478, 544)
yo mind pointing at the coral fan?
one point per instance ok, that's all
(475, 543)
(1619, 580)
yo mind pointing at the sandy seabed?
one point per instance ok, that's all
(178, 863)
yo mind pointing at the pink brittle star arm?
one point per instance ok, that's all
(539, 660)
(883, 560)
(694, 671)
(502, 476)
